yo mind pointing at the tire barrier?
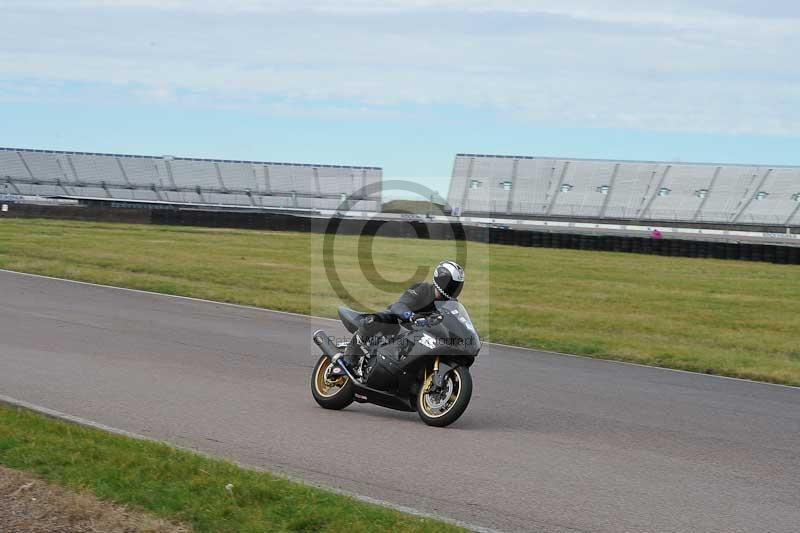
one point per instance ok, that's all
(742, 251)
(72, 212)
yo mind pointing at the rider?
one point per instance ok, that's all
(448, 280)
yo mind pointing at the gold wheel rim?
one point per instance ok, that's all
(326, 387)
(451, 401)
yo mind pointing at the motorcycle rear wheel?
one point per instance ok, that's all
(442, 408)
(330, 394)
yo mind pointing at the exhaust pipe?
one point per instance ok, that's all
(325, 344)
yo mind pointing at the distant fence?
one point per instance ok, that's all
(396, 228)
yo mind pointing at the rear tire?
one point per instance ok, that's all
(330, 394)
(453, 406)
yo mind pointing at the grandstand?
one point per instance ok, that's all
(647, 191)
(180, 180)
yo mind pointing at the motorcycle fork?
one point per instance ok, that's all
(435, 370)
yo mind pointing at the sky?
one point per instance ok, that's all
(404, 84)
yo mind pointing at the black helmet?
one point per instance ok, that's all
(448, 278)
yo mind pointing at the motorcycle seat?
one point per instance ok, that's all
(350, 318)
(384, 321)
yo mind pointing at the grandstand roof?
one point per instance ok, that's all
(600, 160)
(169, 157)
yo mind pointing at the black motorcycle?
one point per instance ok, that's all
(424, 368)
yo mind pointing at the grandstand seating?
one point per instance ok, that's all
(633, 190)
(186, 180)
(679, 197)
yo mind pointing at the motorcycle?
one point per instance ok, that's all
(424, 369)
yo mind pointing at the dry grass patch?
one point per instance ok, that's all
(28, 504)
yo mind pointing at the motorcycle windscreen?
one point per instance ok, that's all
(459, 325)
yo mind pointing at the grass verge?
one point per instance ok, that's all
(731, 318)
(182, 487)
(30, 504)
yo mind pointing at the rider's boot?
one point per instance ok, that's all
(354, 352)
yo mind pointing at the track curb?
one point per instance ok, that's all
(78, 421)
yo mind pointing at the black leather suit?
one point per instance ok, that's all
(418, 298)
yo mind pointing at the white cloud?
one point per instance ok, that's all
(670, 66)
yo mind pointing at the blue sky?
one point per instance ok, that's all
(404, 84)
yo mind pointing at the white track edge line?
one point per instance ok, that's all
(642, 365)
(58, 415)
(153, 293)
(265, 310)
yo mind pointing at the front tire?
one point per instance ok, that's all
(442, 408)
(330, 394)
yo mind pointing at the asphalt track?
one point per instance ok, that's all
(549, 443)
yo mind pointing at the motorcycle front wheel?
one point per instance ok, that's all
(441, 407)
(328, 392)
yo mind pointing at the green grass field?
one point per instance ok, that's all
(183, 487)
(731, 318)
